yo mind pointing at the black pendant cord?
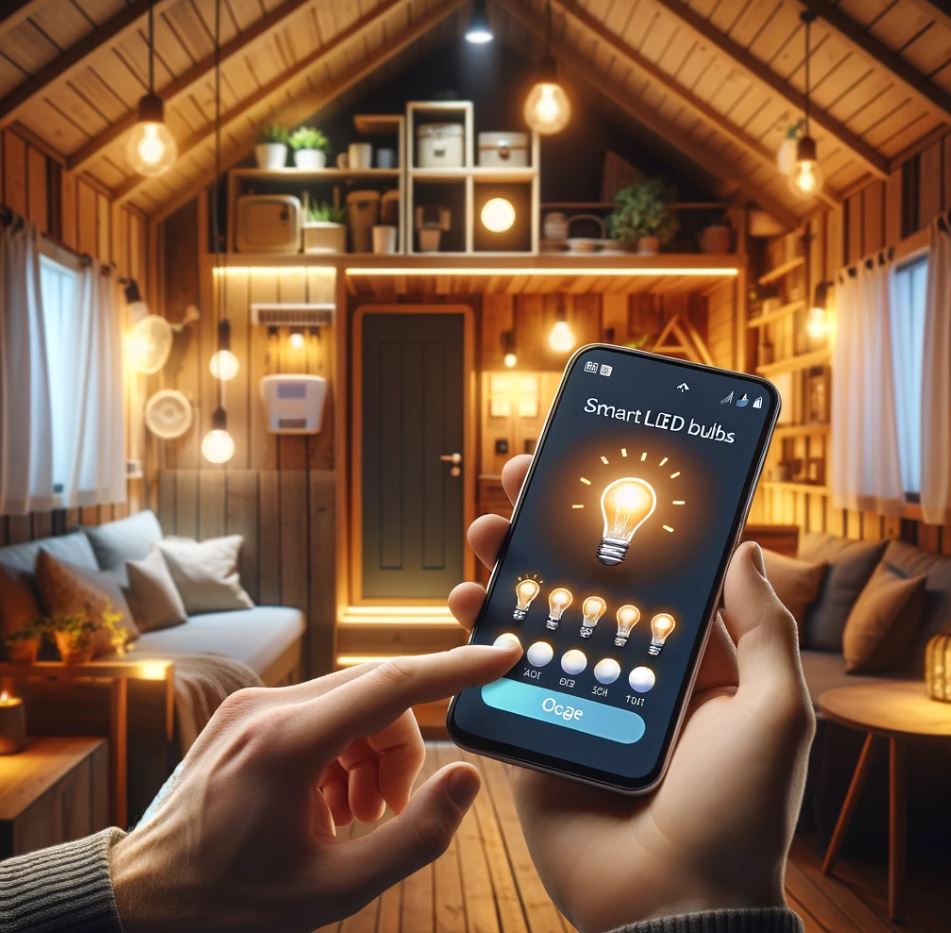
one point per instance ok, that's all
(152, 47)
(808, 76)
(219, 283)
(548, 30)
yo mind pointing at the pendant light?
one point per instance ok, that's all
(547, 108)
(479, 30)
(217, 446)
(806, 177)
(561, 338)
(151, 149)
(817, 323)
(509, 357)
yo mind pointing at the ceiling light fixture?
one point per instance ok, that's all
(479, 30)
(151, 149)
(806, 178)
(547, 108)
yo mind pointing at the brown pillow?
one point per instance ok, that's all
(152, 594)
(883, 623)
(795, 582)
(18, 604)
(68, 590)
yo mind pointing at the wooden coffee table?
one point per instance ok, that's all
(898, 712)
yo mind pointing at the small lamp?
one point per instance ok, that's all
(12, 724)
(817, 324)
(938, 667)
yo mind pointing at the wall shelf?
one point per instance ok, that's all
(783, 486)
(784, 269)
(796, 363)
(770, 317)
(801, 430)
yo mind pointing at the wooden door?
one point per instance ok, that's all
(411, 420)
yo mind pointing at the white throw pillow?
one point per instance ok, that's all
(206, 573)
(151, 593)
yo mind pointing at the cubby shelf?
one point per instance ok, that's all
(318, 174)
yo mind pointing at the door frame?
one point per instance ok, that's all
(356, 444)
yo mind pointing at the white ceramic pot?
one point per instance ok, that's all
(648, 246)
(360, 155)
(384, 239)
(310, 159)
(321, 236)
(715, 239)
(429, 238)
(271, 155)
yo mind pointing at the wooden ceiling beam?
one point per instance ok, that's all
(259, 29)
(15, 12)
(696, 105)
(580, 67)
(881, 56)
(298, 109)
(939, 13)
(72, 59)
(703, 29)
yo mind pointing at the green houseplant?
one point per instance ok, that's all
(310, 147)
(324, 230)
(23, 646)
(644, 216)
(74, 634)
(271, 150)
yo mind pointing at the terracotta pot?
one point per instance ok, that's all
(648, 246)
(23, 652)
(69, 653)
(715, 239)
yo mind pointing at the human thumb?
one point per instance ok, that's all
(419, 835)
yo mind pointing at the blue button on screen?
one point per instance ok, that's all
(560, 709)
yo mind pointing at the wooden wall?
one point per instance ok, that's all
(72, 210)
(879, 215)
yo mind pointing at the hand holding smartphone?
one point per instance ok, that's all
(612, 569)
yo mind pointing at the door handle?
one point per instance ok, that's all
(455, 458)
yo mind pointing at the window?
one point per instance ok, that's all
(909, 289)
(59, 284)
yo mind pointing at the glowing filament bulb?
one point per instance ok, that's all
(625, 505)
(547, 108)
(525, 591)
(558, 602)
(627, 617)
(661, 626)
(592, 609)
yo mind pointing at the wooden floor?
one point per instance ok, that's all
(485, 883)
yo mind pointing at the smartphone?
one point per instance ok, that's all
(611, 571)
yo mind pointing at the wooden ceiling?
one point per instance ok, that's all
(717, 81)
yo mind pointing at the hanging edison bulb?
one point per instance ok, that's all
(806, 177)
(151, 148)
(547, 108)
(223, 363)
(217, 446)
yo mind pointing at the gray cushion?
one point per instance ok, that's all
(936, 615)
(257, 637)
(826, 671)
(20, 559)
(850, 565)
(126, 539)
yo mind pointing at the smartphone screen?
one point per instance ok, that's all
(613, 564)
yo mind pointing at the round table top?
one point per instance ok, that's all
(899, 708)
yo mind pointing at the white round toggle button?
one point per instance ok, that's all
(607, 671)
(574, 661)
(641, 679)
(540, 653)
(506, 639)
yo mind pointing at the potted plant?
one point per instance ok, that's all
(74, 634)
(324, 229)
(715, 237)
(23, 646)
(643, 216)
(309, 146)
(271, 150)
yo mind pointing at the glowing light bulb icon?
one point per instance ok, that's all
(525, 591)
(625, 505)
(558, 601)
(661, 626)
(592, 609)
(627, 617)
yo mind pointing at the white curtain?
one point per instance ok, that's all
(936, 380)
(865, 470)
(89, 441)
(26, 454)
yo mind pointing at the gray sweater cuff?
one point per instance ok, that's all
(753, 920)
(66, 887)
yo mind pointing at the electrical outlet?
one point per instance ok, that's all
(501, 445)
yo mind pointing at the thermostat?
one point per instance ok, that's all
(294, 404)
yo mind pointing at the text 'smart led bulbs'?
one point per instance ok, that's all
(558, 602)
(661, 626)
(625, 505)
(525, 591)
(592, 609)
(627, 617)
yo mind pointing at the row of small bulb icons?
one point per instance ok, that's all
(662, 624)
(575, 662)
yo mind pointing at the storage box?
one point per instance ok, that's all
(440, 145)
(503, 150)
(268, 223)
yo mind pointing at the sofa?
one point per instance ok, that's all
(212, 653)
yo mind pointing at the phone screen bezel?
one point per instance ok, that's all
(538, 761)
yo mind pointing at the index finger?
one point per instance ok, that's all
(365, 706)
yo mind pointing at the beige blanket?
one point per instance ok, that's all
(202, 681)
